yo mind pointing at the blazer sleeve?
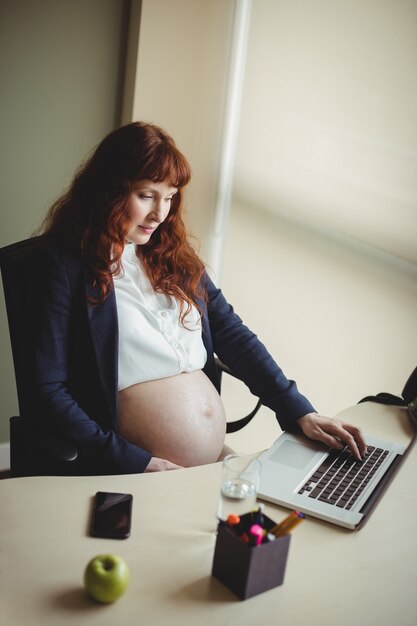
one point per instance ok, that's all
(51, 303)
(239, 348)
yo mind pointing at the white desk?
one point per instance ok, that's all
(333, 576)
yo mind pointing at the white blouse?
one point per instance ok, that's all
(153, 343)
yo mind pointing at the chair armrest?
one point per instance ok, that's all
(232, 427)
(221, 367)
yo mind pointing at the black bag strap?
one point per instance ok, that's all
(408, 397)
(385, 398)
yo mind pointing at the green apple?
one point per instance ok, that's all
(106, 577)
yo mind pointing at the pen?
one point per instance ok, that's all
(257, 515)
(288, 524)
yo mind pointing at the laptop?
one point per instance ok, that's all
(331, 485)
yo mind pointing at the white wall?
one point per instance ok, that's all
(182, 62)
(339, 318)
(60, 70)
(321, 254)
(329, 119)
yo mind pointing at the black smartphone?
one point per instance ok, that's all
(112, 515)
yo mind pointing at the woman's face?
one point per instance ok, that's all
(149, 205)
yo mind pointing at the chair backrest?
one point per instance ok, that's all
(33, 451)
(15, 263)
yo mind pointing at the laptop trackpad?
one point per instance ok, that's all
(292, 454)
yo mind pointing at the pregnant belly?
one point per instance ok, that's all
(180, 418)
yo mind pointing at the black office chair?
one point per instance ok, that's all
(33, 451)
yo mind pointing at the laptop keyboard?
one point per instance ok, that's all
(340, 479)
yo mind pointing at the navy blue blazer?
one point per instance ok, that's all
(73, 357)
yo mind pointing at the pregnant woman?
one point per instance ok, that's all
(125, 322)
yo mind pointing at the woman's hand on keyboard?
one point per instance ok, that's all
(334, 433)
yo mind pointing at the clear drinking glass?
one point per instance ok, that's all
(239, 485)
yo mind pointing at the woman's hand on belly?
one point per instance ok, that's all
(179, 419)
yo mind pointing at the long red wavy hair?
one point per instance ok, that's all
(92, 217)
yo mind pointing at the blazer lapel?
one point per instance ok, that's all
(105, 336)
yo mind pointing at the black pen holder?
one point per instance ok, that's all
(249, 570)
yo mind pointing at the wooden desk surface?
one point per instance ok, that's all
(333, 576)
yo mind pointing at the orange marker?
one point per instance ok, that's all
(233, 519)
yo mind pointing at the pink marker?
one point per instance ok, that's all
(256, 532)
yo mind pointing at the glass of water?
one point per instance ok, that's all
(239, 485)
